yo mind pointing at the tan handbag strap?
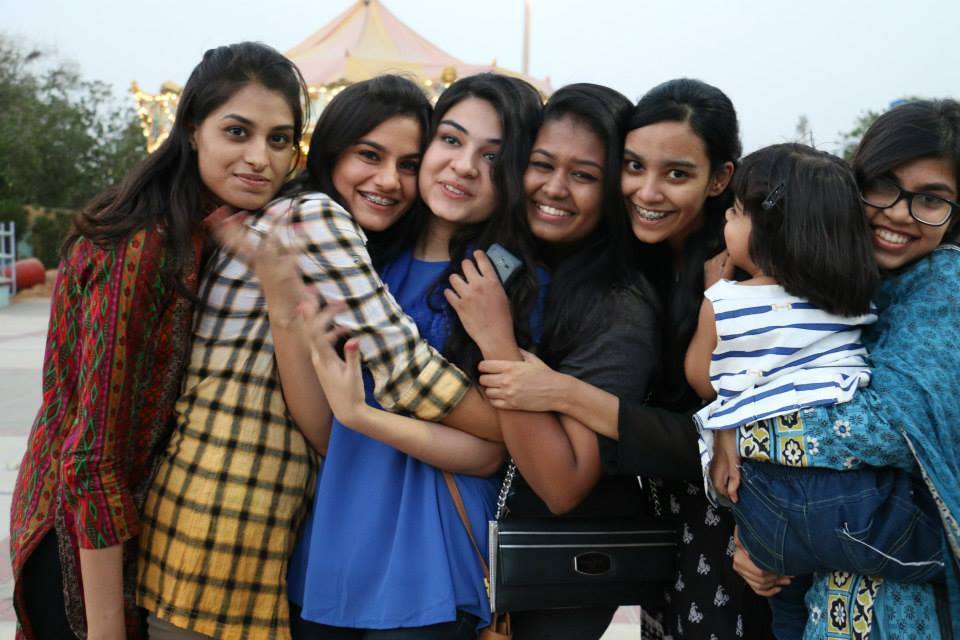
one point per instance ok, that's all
(458, 501)
(500, 627)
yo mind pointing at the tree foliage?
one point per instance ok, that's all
(62, 138)
(803, 132)
(851, 139)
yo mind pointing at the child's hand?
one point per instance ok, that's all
(725, 469)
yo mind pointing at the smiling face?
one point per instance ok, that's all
(666, 180)
(456, 175)
(898, 239)
(245, 147)
(564, 182)
(376, 176)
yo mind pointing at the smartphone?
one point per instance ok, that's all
(506, 264)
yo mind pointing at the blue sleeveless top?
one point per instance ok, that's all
(384, 547)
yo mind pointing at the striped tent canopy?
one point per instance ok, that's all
(362, 42)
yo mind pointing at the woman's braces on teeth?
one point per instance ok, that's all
(381, 200)
(648, 214)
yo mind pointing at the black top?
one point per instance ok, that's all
(653, 442)
(620, 358)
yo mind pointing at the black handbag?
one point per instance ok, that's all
(570, 562)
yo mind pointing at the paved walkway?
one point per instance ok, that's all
(22, 334)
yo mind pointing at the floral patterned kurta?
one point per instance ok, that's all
(905, 418)
(911, 410)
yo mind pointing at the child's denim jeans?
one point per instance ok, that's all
(795, 521)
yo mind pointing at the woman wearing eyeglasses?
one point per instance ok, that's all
(908, 166)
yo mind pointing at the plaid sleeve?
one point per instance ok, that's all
(409, 375)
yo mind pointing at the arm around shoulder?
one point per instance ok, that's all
(408, 373)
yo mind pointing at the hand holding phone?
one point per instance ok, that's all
(506, 264)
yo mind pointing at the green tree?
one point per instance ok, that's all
(63, 138)
(851, 139)
(804, 133)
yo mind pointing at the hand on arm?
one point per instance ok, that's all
(556, 453)
(725, 468)
(557, 456)
(533, 386)
(443, 447)
(284, 291)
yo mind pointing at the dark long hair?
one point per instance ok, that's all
(350, 115)
(584, 280)
(165, 190)
(519, 109)
(710, 114)
(808, 230)
(911, 131)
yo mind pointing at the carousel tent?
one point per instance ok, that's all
(367, 40)
(364, 41)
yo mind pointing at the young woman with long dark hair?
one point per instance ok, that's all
(119, 339)
(218, 537)
(679, 155)
(386, 554)
(907, 167)
(600, 325)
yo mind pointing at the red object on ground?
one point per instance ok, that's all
(30, 272)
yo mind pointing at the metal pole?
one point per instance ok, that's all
(526, 37)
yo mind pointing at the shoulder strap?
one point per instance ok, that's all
(458, 501)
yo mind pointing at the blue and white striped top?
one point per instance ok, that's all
(777, 353)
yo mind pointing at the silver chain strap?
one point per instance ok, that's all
(654, 485)
(502, 508)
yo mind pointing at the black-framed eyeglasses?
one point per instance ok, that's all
(925, 208)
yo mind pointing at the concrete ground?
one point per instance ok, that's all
(22, 334)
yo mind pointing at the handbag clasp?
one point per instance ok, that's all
(592, 563)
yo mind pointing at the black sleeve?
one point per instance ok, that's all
(653, 442)
(622, 357)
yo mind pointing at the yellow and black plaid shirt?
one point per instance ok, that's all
(225, 508)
